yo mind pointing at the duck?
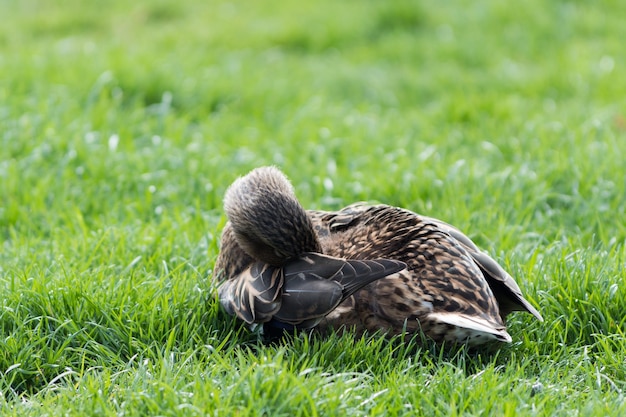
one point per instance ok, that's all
(276, 271)
(365, 268)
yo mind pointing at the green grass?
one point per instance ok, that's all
(121, 125)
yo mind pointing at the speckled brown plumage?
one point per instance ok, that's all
(449, 290)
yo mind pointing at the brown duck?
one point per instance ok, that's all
(364, 268)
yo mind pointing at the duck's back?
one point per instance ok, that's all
(442, 293)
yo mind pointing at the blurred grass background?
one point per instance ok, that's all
(122, 125)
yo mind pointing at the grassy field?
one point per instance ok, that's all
(122, 124)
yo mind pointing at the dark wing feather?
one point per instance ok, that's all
(316, 284)
(306, 289)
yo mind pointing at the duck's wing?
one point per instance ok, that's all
(246, 289)
(316, 284)
(303, 291)
(504, 287)
(254, 294)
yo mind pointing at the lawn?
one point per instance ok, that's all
(122, 124)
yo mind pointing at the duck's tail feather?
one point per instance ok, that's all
(470, 329)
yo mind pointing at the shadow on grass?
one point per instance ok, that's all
(378, 353)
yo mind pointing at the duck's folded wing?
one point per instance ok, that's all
(254, 294)
(316, 284)
(306, 289)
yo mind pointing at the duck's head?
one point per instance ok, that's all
(268, 221)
